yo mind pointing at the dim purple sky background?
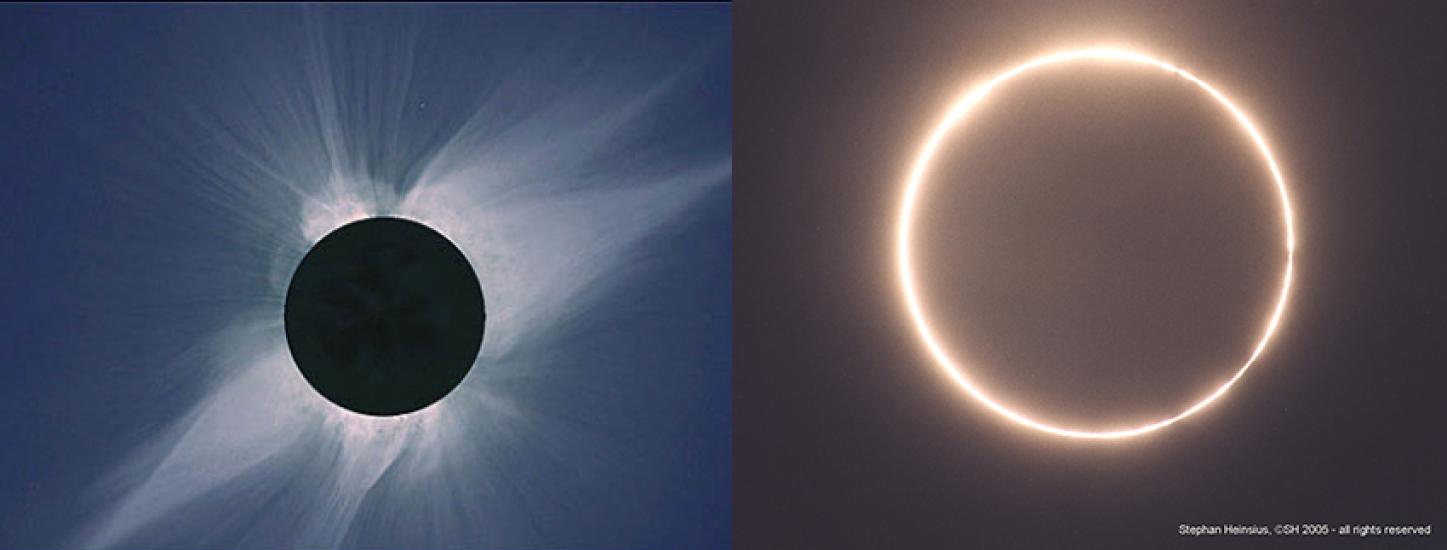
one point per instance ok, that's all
(847, 436)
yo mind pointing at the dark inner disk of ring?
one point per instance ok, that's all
(384, 316)
(1098, 245)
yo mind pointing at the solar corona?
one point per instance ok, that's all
(957, 118)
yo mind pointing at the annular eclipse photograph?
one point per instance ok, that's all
(1090, 274)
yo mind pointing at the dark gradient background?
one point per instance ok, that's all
(847, 436)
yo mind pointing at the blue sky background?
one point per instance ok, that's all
(155, 179)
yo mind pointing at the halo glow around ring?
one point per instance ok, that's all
(955, 116)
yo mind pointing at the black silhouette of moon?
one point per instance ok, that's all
(384, 316)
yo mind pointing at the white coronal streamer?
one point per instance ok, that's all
(215, 444)
(547, 227)
(563, 258)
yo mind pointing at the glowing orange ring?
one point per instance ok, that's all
(916, 181)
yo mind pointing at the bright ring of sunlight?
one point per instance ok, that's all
(955, 117)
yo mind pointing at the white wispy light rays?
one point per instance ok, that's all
(548, 191)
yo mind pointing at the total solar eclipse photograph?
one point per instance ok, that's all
(1089, 275)
(304, 276)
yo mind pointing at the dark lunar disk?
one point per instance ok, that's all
(384, 316)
